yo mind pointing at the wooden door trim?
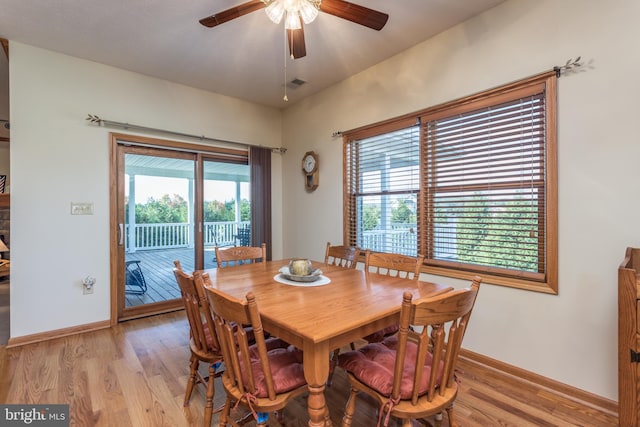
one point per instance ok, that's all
(118, 149)
(143, 145)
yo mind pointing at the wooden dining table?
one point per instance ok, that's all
(320, 318)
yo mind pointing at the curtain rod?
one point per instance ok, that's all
(570, 66)
(92, 118)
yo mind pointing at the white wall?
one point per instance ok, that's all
(57, 158)
(571, 337)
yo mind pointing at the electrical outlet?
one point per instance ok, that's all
(87, 285)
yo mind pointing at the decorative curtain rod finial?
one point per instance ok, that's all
(571, 65)
(94, 119)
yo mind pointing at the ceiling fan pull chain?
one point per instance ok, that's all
(285, 98)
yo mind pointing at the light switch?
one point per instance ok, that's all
(81, 208)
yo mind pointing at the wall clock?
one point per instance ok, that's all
(310, 170)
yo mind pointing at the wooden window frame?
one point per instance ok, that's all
(545, 280)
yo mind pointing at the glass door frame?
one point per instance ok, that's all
(120, 144)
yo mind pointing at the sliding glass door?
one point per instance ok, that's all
(157, 226)
(226, 206)
(172, 205)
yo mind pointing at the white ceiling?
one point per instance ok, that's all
(243, 58)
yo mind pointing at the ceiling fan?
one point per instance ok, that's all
(342, 9)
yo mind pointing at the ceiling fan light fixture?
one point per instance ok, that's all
(275, 11)
(294, 10)
(292, 21)
(308, 11)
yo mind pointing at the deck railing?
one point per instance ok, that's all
(179, 235)
(400, 239)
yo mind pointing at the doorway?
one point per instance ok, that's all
(170, 203)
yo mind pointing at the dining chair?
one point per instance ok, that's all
(391, 265)
(412, 375)
(346, 257)
(203, 340)
(262, 377)
(237, 255)
(341, 256)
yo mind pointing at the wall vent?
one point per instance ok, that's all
(295, 83)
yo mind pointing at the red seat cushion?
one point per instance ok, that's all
(374, 364)
(209, 338)
(286, 368)
(379, 335)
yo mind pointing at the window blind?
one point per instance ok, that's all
(486, 199)
(383, 180)
(484, 186)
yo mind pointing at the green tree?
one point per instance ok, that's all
(502, 237)
(402, 214)
(167, 209)
(216, 211)
(472, 220)
(245, 210)
(370, 217)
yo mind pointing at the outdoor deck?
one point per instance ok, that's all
(157, 268)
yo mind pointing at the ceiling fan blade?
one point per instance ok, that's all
(355, 13)
(233, 13)
(297, 48)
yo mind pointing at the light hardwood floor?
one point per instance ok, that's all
(135, 374)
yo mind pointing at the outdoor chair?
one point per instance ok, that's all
(244, 236)
(134, 278)
(412, 375)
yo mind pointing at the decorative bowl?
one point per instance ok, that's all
(311, 277)
(300, 267)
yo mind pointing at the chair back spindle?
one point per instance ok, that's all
(203, 340)
(237, 255)
(263, 376)
(424, 354)
(393, 264)
(341, 256)
(203, 332)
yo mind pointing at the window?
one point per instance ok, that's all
(470, 184)
(384, 190)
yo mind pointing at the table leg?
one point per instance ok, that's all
(316, 372)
